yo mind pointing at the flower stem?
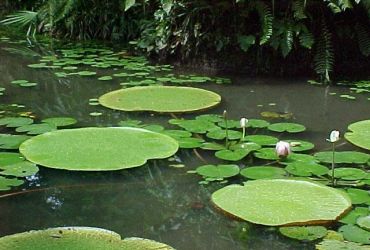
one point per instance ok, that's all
(332, 166)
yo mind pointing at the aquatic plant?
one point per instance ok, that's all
(333, 138)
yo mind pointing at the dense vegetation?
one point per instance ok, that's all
(286, 36)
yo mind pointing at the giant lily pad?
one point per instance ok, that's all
(360, 134)
(282, 201)
(164, 99)
(96, 149)
(76, 238)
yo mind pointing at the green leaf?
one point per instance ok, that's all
(266, 154)
(359, 196)
(189, 142)
(218, 171)
(351, 217)
(60, 121)
(349, 157)
(364, 222)
(263, 172)
(163, 99)
(328, 244)
(232, 155)
(19, 169)
(355, 234)
(197, 126)
(257, 123)
(304, 233)
(349, 174)
(35, 129)
(167, 5)
(246, 41)
(8, 141)
(359, 134)
(266, 201)
(306, 169)
(13, 122)
(220, 134)
(299, 145)
(76, 238)
(263, 140)
(7, 183)
(286, 127)
(212, 146)
(97, 149)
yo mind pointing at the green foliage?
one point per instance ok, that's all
(324, 56)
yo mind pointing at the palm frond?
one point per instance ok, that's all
(324, 57)
(21, 18)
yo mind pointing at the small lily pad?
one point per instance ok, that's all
(60, 121)
(306, 169)
(328, 244)
(218, 171)
(364, 222)
(189, 142)
(197, 126)
(286, 127)
(105, 78)
(359, 196)
(210, 118)
(348, 157)
(8, 141)
(13, 122)
(355, 234)
(36, 129)
(20, 169)
(263, 172)
(299, 145)
(266, 154)
(309, 233)
(8, 183)
(220, 134)
(177, 133)
(232, 155)
(353, 215)
(263, 140)
(349, 174)
(257, 123)
(212, 146)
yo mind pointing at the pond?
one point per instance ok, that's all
(160, 200)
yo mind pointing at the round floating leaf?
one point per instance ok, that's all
(105, 78)
(60, 121)
(247, 146)
(359, 196)
(286, 127)
(257, 123)
(196, 126)
(130, 123)
(218, 171)
(299, 145)
(262, 140)
(164, 99)
(95, 149)
(306, 169)
(328, 244)
(76, 238)
(266, 154)
(232, 155)
(210, 118)
(7, 183)
(350, 174)
(352, 216)
(177, 133)
(230, 124)
(355, 234)
(7, 158)
(360, 134)
(36, 129)
(282, 201)
(13, 122)
(189, 142)
(304, 233)
(20, 169)
(220, 134)
(154, 128)
(364, 222)
(86, 73)
(265, 172)
(12, 141)
(299, 158)
(343, 157)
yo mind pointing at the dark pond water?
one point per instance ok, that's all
(155, 201)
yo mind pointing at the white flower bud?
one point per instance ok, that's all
(243, 122)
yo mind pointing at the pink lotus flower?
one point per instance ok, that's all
(282, 149)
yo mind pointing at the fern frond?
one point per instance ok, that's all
(363, 37)
(266, 18)
(298, 7)
(324, 57)
(21, 18)
(306, 39)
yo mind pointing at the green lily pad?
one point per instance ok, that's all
(306, 169)
(257, 123)
(97, 149)
(353, 215)
(355, 234)
(130, 123)
(86, 73)
(299, 158)
(8, 183)
(232, 155)
(309, 233)
(60, 121)
(286, 127)
(299, 145)
(19, 169)
(105, 78)
(76, 238)
(220, 134)
(12, 141)
(13, 122)
(177, 133)
(28, 84)
(263, 172)
(154, 127)
(328, 244)
(189, 142)
(266, 154)
(359, 134)
(163, 99)
(197, 126)
(210, 118)
(230, 124)
(359, 196)
(349, 174)
(36, 129)
(262, 140)
(218, 171)
(8, 158)
(343, 157)
(364, 222)
(266, 201)
(247, 146)
(19, 81)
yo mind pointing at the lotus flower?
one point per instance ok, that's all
(334, 136)
(282, 149)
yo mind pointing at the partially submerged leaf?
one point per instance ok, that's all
(304, 233)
